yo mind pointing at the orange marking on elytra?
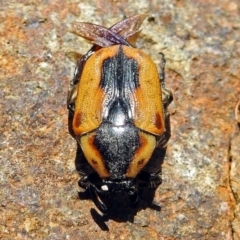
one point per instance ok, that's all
(159, 121)
(77, 119)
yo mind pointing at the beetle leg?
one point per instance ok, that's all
(96, 198)
(167, 98)
(72, 93)
(93, 190)
(166, 93)
(84, 182)
(162, 73)
(155, 180)
(133, 194)
(87, 180)
(150, 180)
(73, 88)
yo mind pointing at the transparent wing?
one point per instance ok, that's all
(98, 35)
(129, 26)
(117, 34)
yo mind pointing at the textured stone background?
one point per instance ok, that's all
(200, 193)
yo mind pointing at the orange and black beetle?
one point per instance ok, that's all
(117, 111)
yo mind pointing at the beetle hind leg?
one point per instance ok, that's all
(72, 93)
(155, 180)
(150, 180)
(167, 96)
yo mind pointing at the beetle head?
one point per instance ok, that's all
(101, 189)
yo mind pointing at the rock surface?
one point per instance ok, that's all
(200, 193)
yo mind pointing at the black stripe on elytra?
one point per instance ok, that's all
(119, 75)
(117, 137)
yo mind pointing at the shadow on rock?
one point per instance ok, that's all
(118, 206)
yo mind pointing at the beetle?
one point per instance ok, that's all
(118, 114)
